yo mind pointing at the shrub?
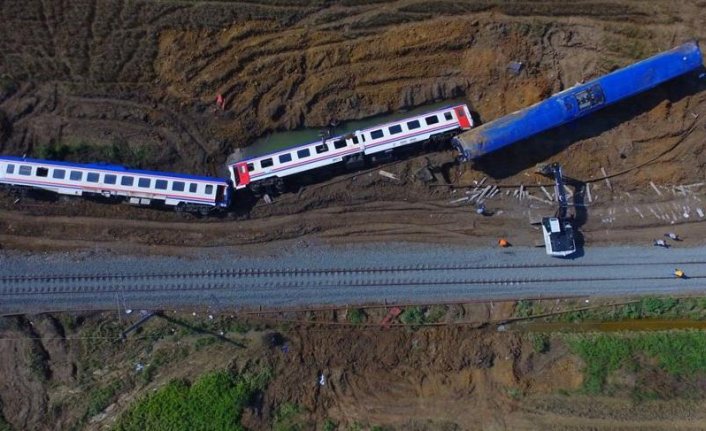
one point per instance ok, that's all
(214, 402)
(355, 316)
(412, 316)
(540, 343)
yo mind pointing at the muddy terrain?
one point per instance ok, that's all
(136, 83)
(72, 372)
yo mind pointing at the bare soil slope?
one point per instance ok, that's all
(135, 83)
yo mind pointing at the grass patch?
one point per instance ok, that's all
(651, 307)
(100, 398)
(214, 402)
(412, 316)
(118, 151)
(540, 342)
(355, 316)
(681, 354)
(286, 418)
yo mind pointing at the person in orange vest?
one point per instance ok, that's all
(502, 242)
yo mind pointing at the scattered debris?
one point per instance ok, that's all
(655, 188)
(678, 273)
(672, 236)
(267, 199)
(700, 212)
(605, 177)
(425, 175)
(515, 67)
(391, 315)
(388, 175)
(660, 243)
(546, 193)
(322, 380)
(459, 200)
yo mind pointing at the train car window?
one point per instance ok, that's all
(266, 163)
(303, 153)
(448, 116)
(143, 182)
(431, 120)
(126, 181)
(209, 189)
(110, 179)
(92, 177)
(284, 158)
(251, 167)
(178, 186)
(376, 134)
(355, 139)
(42, 172)
(10, 169)
(192, 188)
(160, 184)
(395, 129)
(25, 170)
(76, 175)
(321, 148)
(339, 144)
(414, 124)
(59, 174)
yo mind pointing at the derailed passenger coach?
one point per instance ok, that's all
(578, 101)
(261, 172)
(138, 187)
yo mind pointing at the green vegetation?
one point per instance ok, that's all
(355, 316)
(287, 418)
(100, 398)
(435, 313)
(412, 316)
(160, 358)
(330, 425)
(118, 151)
(679, 353)
(540, 342)
(650, 307)
(204, 342)
(214, 402)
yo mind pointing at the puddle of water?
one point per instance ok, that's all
(281, 140)
(621, 325)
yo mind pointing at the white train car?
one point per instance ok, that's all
(349, 148)
(138, 187)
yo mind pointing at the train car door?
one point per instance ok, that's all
(243, 174)
(463, 120)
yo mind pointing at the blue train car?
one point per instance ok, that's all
(578, 101)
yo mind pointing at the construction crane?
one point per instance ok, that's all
(558, 232)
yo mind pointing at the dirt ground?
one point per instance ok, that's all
(135, 83)
(458, 377)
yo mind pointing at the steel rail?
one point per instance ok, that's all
(314, 284)
(255, 272)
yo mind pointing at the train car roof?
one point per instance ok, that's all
(112, 168)
(246, 154)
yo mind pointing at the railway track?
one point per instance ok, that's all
(375, 277)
